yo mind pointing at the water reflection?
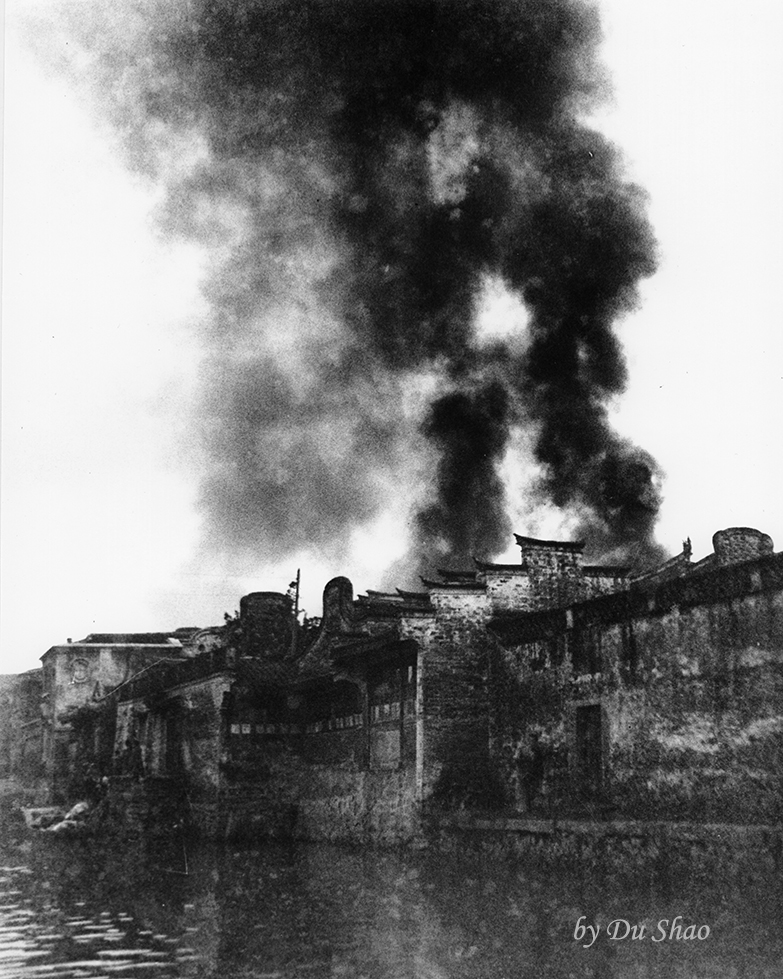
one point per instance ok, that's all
(80, 910)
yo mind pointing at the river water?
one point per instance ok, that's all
(84, 910)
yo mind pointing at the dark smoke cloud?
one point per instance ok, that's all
(469, 516)
(358, 167)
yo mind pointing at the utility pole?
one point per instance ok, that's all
(295, 623)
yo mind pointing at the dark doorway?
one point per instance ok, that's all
(175, 730)
(589, 750)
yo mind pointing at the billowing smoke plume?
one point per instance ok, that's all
(358, 168)
(471, 433)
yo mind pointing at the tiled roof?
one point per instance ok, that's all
(675, 567)
(471, 585)
(385, 605)
(374, 649)
(420, 597)
(563, 545)
(605, 571)
(129, 639)
(505, 568)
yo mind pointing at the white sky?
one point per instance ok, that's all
(99, 529)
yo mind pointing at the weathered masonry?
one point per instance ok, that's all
(350, 731)
(256, 740)
(543, 690)
(76, 674)
(663, 701)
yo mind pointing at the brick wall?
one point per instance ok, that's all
(555, 571)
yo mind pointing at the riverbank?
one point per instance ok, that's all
(163, 809)
(622, 848)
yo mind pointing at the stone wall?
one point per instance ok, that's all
(676, 857)
(555, 570)
(654, 701)
(320, 786)
(701, 735)
(682, 691)
(285, 797)
(509, 588)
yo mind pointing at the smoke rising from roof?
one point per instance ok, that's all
(357, 169)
